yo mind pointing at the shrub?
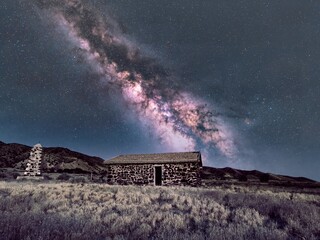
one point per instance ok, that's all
(46, 177)
(63, 177)
(79, 180)
(97, 211)
(243, 178)
(3, 175)
(264, 178)
(8, 175)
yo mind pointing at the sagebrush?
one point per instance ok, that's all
(98, 211)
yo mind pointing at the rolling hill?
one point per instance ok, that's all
(58, 159)
(230, 174)
(55, 159)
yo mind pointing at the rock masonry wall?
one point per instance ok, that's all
(143, 174)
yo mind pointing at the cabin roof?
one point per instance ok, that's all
(154, 158)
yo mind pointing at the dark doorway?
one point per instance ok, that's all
(157, 175)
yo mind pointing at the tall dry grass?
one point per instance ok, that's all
(98, 211)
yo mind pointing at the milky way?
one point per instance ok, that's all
(180, 120)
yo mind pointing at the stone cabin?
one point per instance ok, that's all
(164, 169)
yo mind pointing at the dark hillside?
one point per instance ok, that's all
(55, 159)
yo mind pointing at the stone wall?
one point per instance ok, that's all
(143, 174)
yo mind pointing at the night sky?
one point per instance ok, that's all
(237, 80)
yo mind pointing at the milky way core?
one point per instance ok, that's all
(182, 121)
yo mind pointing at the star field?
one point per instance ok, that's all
(254, 64)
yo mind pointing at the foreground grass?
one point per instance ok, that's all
(97, 211)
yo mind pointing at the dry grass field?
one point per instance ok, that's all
(53, 210)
